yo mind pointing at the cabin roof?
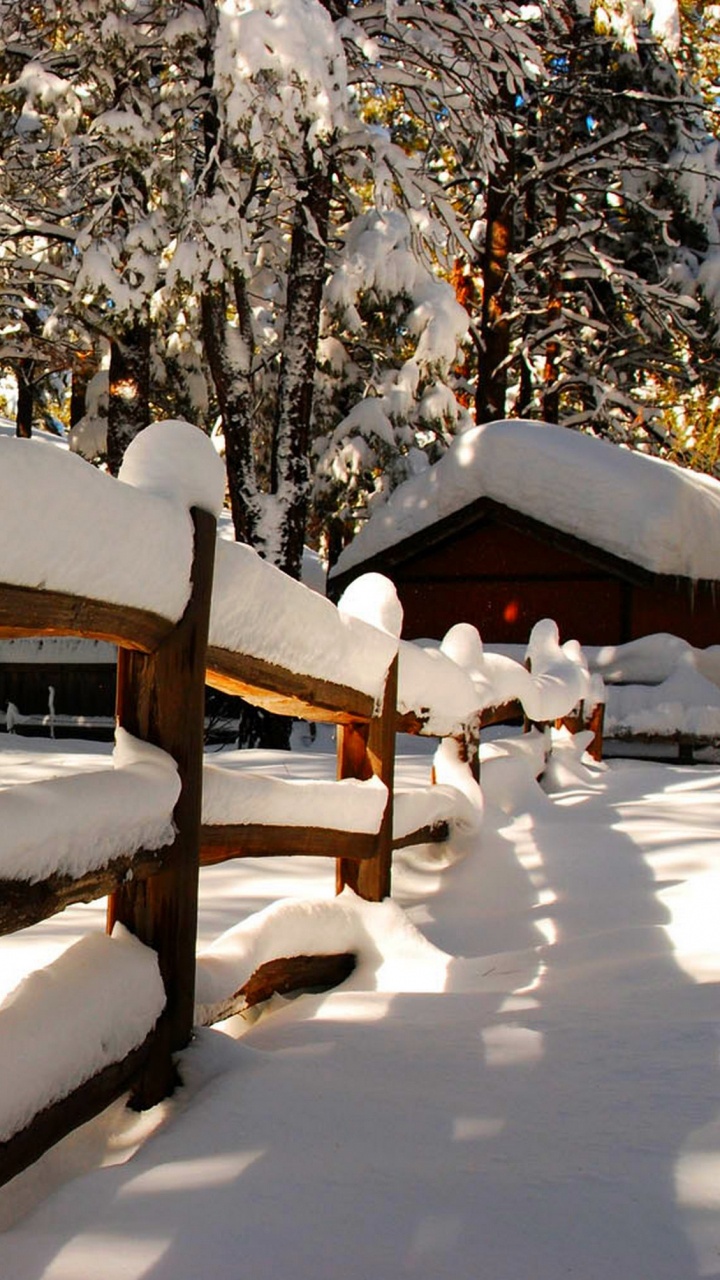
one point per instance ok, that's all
(636, 511)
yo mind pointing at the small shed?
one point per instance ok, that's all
(525, 520)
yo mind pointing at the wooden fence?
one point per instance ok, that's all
(162, 672)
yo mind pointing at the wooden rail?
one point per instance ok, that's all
(31, 611)
(286, 692)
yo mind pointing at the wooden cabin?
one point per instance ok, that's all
(503, 565)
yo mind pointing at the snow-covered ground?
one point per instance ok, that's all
(520, 1081)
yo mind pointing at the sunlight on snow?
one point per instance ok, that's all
(353, 1006)
(512, 1045)
(687, 880)
(474, 1128)
(190, 1175)
(697, 1188)
(693, 926)
(122, 1257)
(518, 1002)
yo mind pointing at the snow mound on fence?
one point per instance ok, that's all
(651, 659)
(379, 934)
(685, 702)
(78, 530)
(258, 610)
(645, 510)
(71, 825)
(234, 794)
(64, 1023)
(450, 684)
(176, 460)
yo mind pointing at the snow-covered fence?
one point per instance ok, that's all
(474, 689)
(135, 566)
(283, 647)
(129, 561)
(660, 691)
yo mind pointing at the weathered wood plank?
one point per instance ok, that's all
(23, 904)
(55, 613)
(161, 700)
(291, 973)
(224, 843)
(434, 833)
(285, 692)
(251, 840)
(57, 1121)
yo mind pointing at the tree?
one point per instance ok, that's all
(592, 264)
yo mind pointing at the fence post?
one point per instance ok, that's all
(363, 751)
(596, 723)
(161, 699)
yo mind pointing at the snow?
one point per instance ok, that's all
(85, 556)
(77, 823)
(449, 685)
(95, 1004)
(234, 794)
(258, 610)
(659, 685)
(650, 512)
(685, 702)
(280, 65)
(434, 687)
(7, 432)
(373, 598)
(177, 461)
(519, 1079)
(651, 659)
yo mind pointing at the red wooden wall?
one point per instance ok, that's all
(503, 580)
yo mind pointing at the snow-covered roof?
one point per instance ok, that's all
(644, 510)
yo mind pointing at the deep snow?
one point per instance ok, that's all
(519, 1082)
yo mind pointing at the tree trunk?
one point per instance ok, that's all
(290, 467)
(233, 390)
(551, 373)
(495, 327)
(129, 390)
(25, 375)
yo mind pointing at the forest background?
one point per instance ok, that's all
(337, 232)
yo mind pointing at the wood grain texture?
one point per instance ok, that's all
(363, 752)
(285, 975)
(55, 613)
(285, 692)
(23, 904)
(254, 840)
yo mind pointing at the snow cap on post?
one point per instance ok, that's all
(374, 600)
(176, 460)
(462, 644)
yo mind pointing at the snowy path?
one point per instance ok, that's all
(546, 1106)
